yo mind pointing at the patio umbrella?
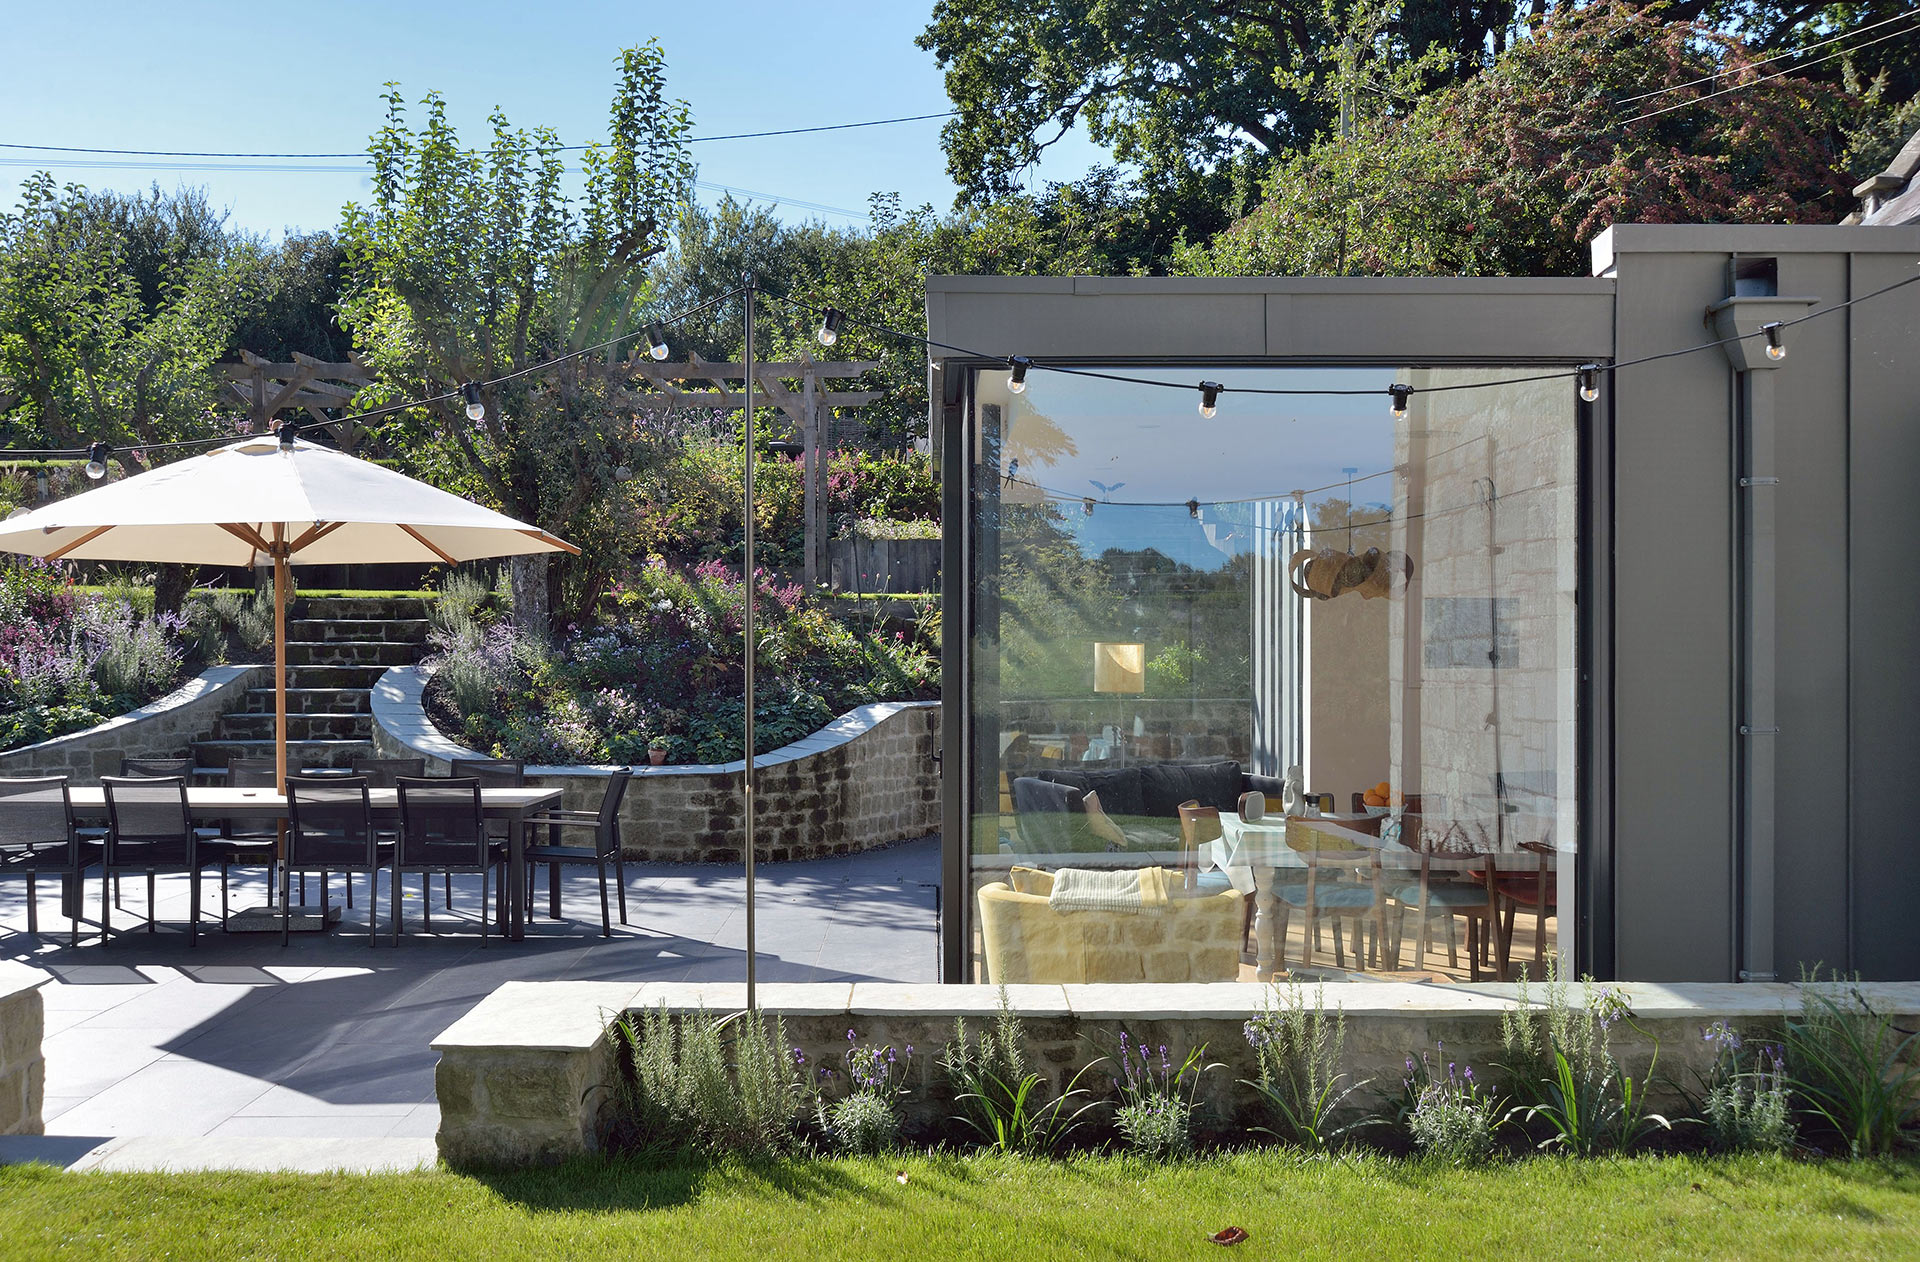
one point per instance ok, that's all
(291, 501)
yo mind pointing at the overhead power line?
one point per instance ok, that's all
(1778, 74)
(1761, 58)
(362, 153)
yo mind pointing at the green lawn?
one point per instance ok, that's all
(952, 1207)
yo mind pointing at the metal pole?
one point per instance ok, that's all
(748, 633)
(280, 654)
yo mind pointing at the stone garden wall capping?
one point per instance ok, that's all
(867, 779)
(23, 1071)
(160, 729)
(518, 1074)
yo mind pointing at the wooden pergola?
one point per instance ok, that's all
(807, 405)
(307, 384)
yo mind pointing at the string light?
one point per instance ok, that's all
(476, 406)
(97, 460)
(656, 341)
(1210, 398)
(1017, 380)
(1589, 384)
(1086, 505)
(289, 430)
(1776, 345)
(1401, 393)
(830, 326)
(1193, 509)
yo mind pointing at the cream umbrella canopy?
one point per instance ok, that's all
(285, 499)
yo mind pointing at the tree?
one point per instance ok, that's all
(475, 265)
(1178, 89)
(88, 353)
(1514, 171)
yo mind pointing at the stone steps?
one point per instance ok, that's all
(311, 700)
(357, 677)
(352, 653)
(300, 753)
(336, 608)
(365, 630)
(307, 725)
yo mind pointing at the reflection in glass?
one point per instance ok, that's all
(1363, 617)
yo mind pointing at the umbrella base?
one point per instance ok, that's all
(265, 919)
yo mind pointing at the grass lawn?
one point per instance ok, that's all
(952, 1207)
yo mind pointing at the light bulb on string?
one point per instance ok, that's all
(1589, 381)
(1086, 506)
(1017, 379)
(476, 406)
(288, 431)
(97, 460)
(1401, 393)
(1193, 509)
(1210, 398)
(656, 341)
(1776, 346)
(829, 327)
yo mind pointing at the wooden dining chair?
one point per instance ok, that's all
(1343, 882)
(1448, 889)
(1199, 824)
(1532, 885)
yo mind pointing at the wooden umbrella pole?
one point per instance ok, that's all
(280, 656)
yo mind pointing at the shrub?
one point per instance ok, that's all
(1003, 1099)
(692, 1082)
(1852, 1068)
(1297, 1049)
(1451, 1118)
(1156, 1110)
(1564, 1073)
(1747, 1106)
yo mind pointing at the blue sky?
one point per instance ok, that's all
(190, 75)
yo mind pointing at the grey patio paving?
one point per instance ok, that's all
(240, 1038)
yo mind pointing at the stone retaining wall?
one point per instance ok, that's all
(866, 780)
(23, 1073)
(167, 728)
(517, 1074)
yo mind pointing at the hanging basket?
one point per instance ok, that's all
(1324, 573)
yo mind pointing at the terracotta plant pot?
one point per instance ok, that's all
(656, 756)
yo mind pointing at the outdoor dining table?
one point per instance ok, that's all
(513, 806)
(1253, 852)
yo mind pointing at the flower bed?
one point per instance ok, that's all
(663, 670)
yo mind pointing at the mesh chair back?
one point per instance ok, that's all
(329, 823)
(156, 768)
(35, 816)
(606, 838)
(147, 820)
(441, 824)
(382, 772)
(492, 773)
(252, 773)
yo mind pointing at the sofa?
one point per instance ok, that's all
(1098, 807)
(1192, 938)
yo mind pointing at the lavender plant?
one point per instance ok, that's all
(1748, 1104)
(866, 1120)
(1297, 1047)
(1156, 1110)
(1451, 1116)
(1560, 1064)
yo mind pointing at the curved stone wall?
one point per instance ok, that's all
(866, 780)
(165, 728)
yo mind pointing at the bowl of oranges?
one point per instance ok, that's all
(1380, 799)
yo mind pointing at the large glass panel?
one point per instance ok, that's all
(1342, 641)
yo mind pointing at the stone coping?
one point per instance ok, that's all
(18, 979)
(398, 710)
(212, 680)
(573, 1016)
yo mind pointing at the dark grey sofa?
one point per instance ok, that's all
(1141, 801)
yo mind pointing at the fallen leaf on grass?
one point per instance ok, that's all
(1229, 1235)
(901, 1177)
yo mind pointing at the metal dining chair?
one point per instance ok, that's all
(143, 769)
(442, 830)
(37, 838)
(150, 830)
(330, 829)
(381, 773)
(605, 849)
(492, 773)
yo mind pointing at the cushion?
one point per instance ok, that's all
(1052, 817)
(1030, 881)
(1101, 828)
(1164, 786)
(1118, 787)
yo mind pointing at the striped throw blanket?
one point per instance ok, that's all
(1128, 891)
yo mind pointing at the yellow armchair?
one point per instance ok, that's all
(1196, 939)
